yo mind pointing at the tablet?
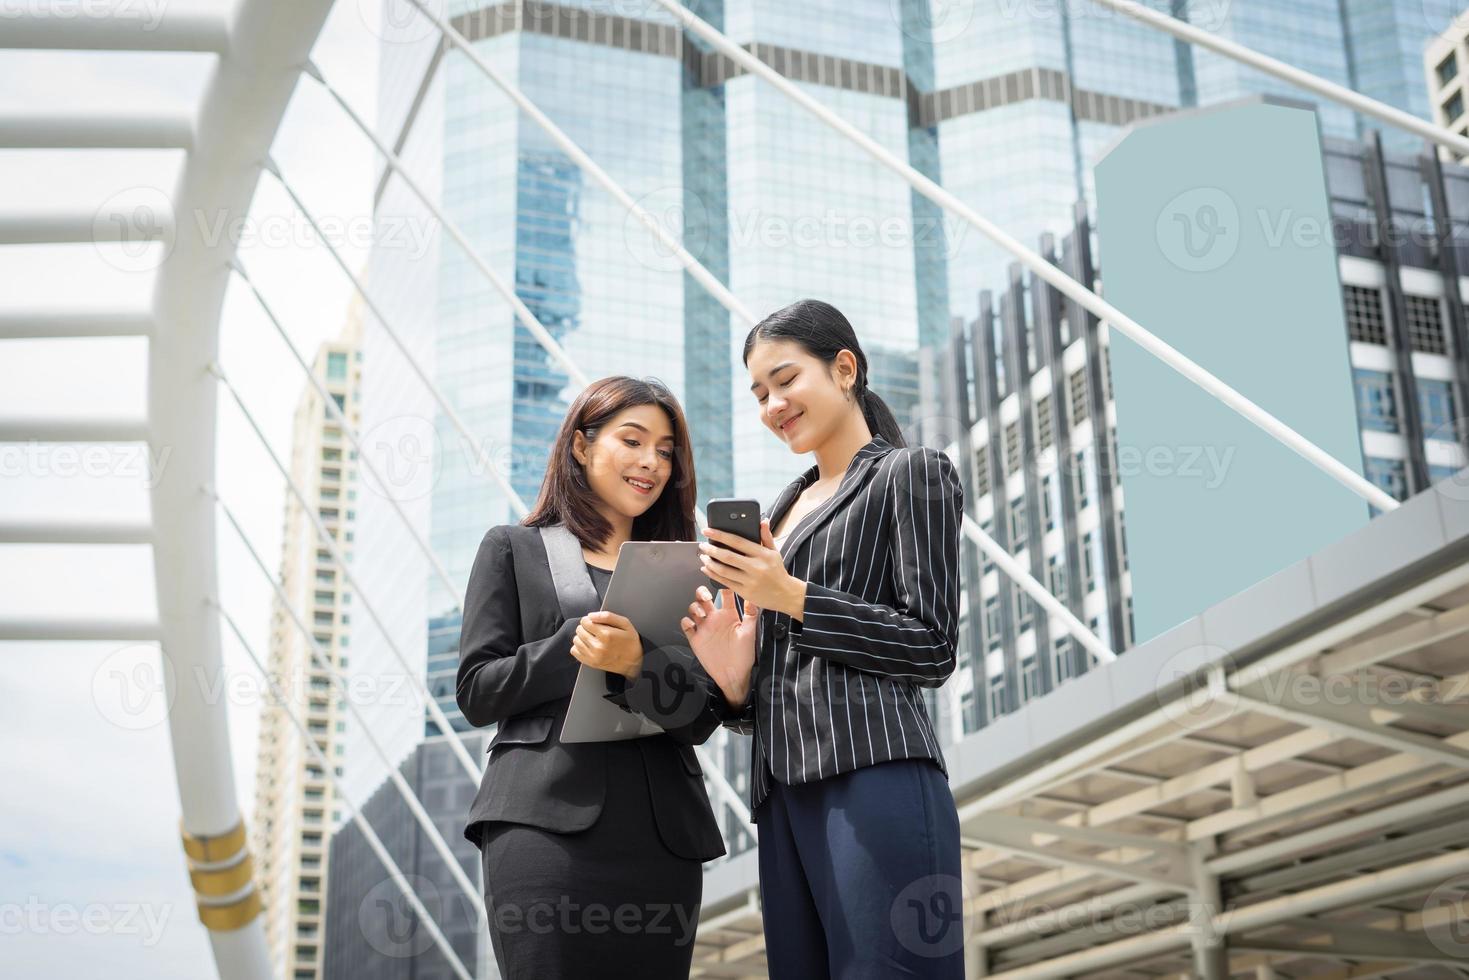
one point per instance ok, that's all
(653, 586)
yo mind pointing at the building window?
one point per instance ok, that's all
(987, 564)
(1030, 679)
(1454, 108)
(997, 696)
(1377, 406)
(992, 631)
(336, 366)
(1056, 576)
(1063, 668)
(981, 471)
(1043, 422)
(1019, 530)
(1079, 480)
(1088, 562)
(1024, 611)
(1447, 69)
(1425, 325)
(1012, 448)
(1364, 315)
(1389, 474)
(1078, 397)
(1048, 504)
(1436, 405)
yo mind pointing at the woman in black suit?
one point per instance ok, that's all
(592, 851)
(850, 608)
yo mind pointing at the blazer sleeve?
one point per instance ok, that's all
(498, 675)
(672, 690)
(916, 639)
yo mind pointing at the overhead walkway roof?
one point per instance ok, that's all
(1278, 786)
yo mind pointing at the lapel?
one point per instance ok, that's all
(852, 480)
(575, 593)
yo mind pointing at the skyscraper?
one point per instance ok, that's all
(1006, 103)
(294, 799)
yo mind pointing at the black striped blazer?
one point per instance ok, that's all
(880, 557)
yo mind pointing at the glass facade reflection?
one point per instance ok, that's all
(1007, 104)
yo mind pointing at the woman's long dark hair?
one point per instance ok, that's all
(567, 498)
(823, 332)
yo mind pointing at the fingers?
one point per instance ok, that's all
(766, 538)
(605, 617)
(732, 541)
(752, 612)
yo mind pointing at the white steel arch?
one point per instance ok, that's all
(260, 46)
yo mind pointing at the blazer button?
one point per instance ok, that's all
(781, 629)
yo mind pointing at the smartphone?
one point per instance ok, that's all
(740, 517)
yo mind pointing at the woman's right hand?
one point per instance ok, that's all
(724, 641)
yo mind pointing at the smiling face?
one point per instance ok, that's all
(803, 400)
(629, 461)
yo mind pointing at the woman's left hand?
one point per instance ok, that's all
(756, 572)
(609, 642)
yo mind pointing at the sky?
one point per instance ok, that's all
(92, 877)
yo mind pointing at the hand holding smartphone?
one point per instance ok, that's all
(736, 516)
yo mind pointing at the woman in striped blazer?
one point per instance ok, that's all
(850, 605)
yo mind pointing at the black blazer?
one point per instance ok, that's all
(516, 668)
(840, 690)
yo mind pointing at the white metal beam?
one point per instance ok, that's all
(38, 324)
(1331, 91)
(75, 532)
(1041, 268)
(72, 429)
(265, 45)
(112, 131)
(373, 841)
(105, 27)
(91, 628)
(78, 228)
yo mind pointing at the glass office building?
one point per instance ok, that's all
(1007, 104)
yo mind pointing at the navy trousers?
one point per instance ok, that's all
(860, 876)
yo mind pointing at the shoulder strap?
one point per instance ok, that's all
(574, 590)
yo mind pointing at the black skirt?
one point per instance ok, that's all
(608, 902)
